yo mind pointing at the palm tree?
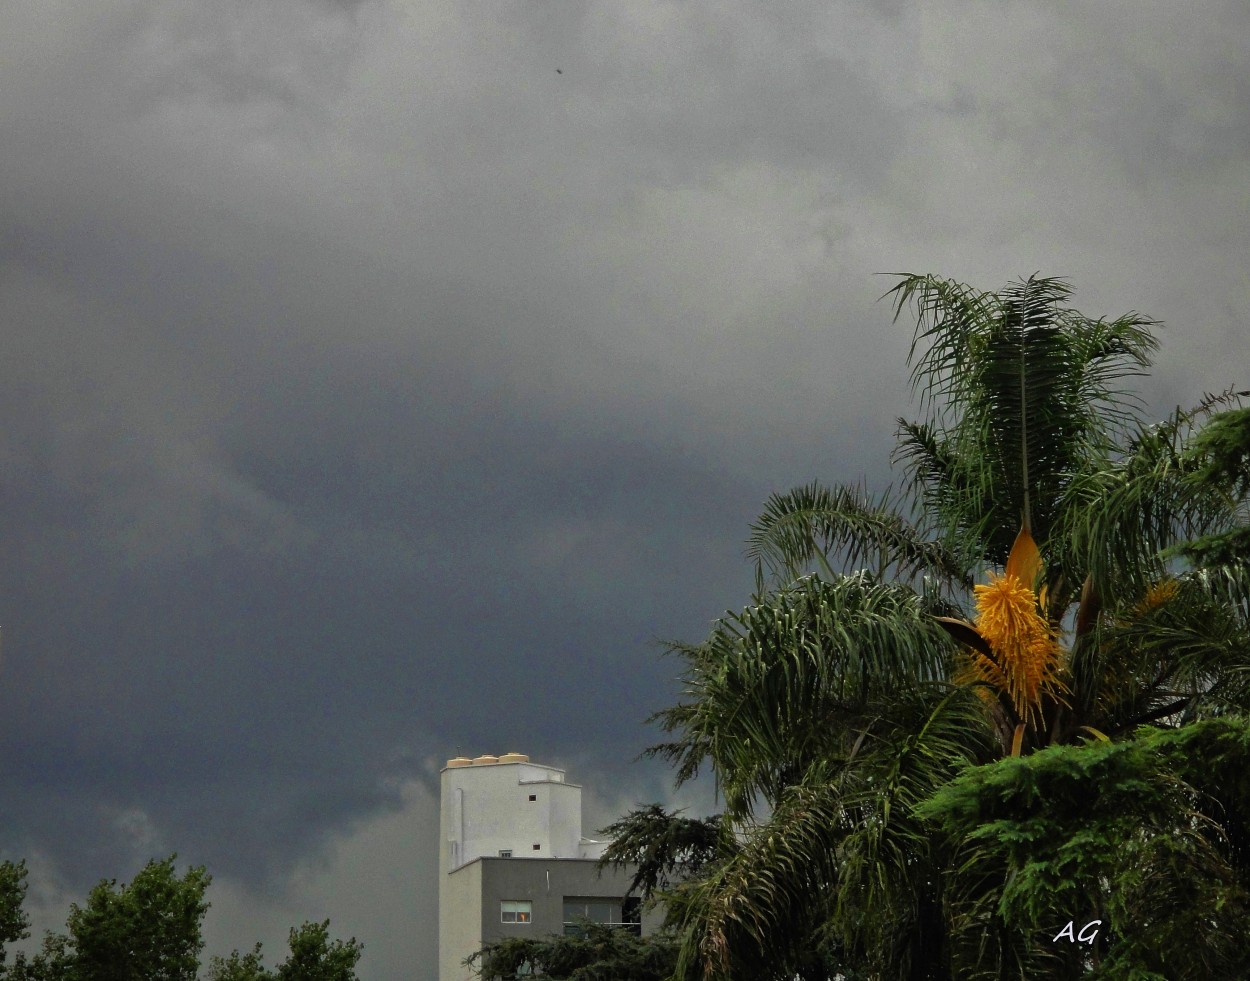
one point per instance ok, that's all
(860, 681)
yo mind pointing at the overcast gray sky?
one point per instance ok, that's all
(380, 380)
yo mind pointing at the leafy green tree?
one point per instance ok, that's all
(1220, 457)
(14, 924)
(51, 963)
(148, 930)
(663, 848)
(600, 953)
(313, 957)
(1052, 573)
(239, 967)
(1144, 838)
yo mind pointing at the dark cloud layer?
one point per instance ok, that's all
(372, 392)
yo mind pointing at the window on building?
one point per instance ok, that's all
(537, 846)
(516, 911)
(505, 853)
(624, 914)
(533, 797)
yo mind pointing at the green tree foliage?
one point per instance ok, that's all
(1220, 458)
(664, 848)
(148, 930)
(601, 953)
(1146, 835)
(51, 963)
(313, 957)
(1053, 580)
(239, 967)
(14, 924)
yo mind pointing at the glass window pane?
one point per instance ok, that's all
(515, 910)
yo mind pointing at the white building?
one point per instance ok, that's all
(513, 862)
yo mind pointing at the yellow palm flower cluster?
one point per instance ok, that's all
(1157, 595)
(1026, 653)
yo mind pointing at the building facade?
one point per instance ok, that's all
(513, 860)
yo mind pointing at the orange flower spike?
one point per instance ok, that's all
(1157, 595)
(1021, 639)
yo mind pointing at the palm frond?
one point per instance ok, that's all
(1121, 523)
(1220, 452)
(774, 685)
(1021, 391)
(816, 524)
(941, 482)
(1183, 656)
(839, 848)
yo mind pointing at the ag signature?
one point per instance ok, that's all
(1085, 936)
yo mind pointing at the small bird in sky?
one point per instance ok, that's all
(559, 71)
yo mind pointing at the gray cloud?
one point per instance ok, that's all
(372, 392)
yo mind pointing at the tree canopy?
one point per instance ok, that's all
(313, 957)
(150, 930)
(599, 953)
(14, 924)
(963, 711)
(147, 930)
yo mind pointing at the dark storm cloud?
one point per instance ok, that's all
(216, 635)
(342, 526)
(372, 392)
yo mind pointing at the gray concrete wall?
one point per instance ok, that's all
(545, 883)
(474, 894)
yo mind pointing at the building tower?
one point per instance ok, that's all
(513, 861)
